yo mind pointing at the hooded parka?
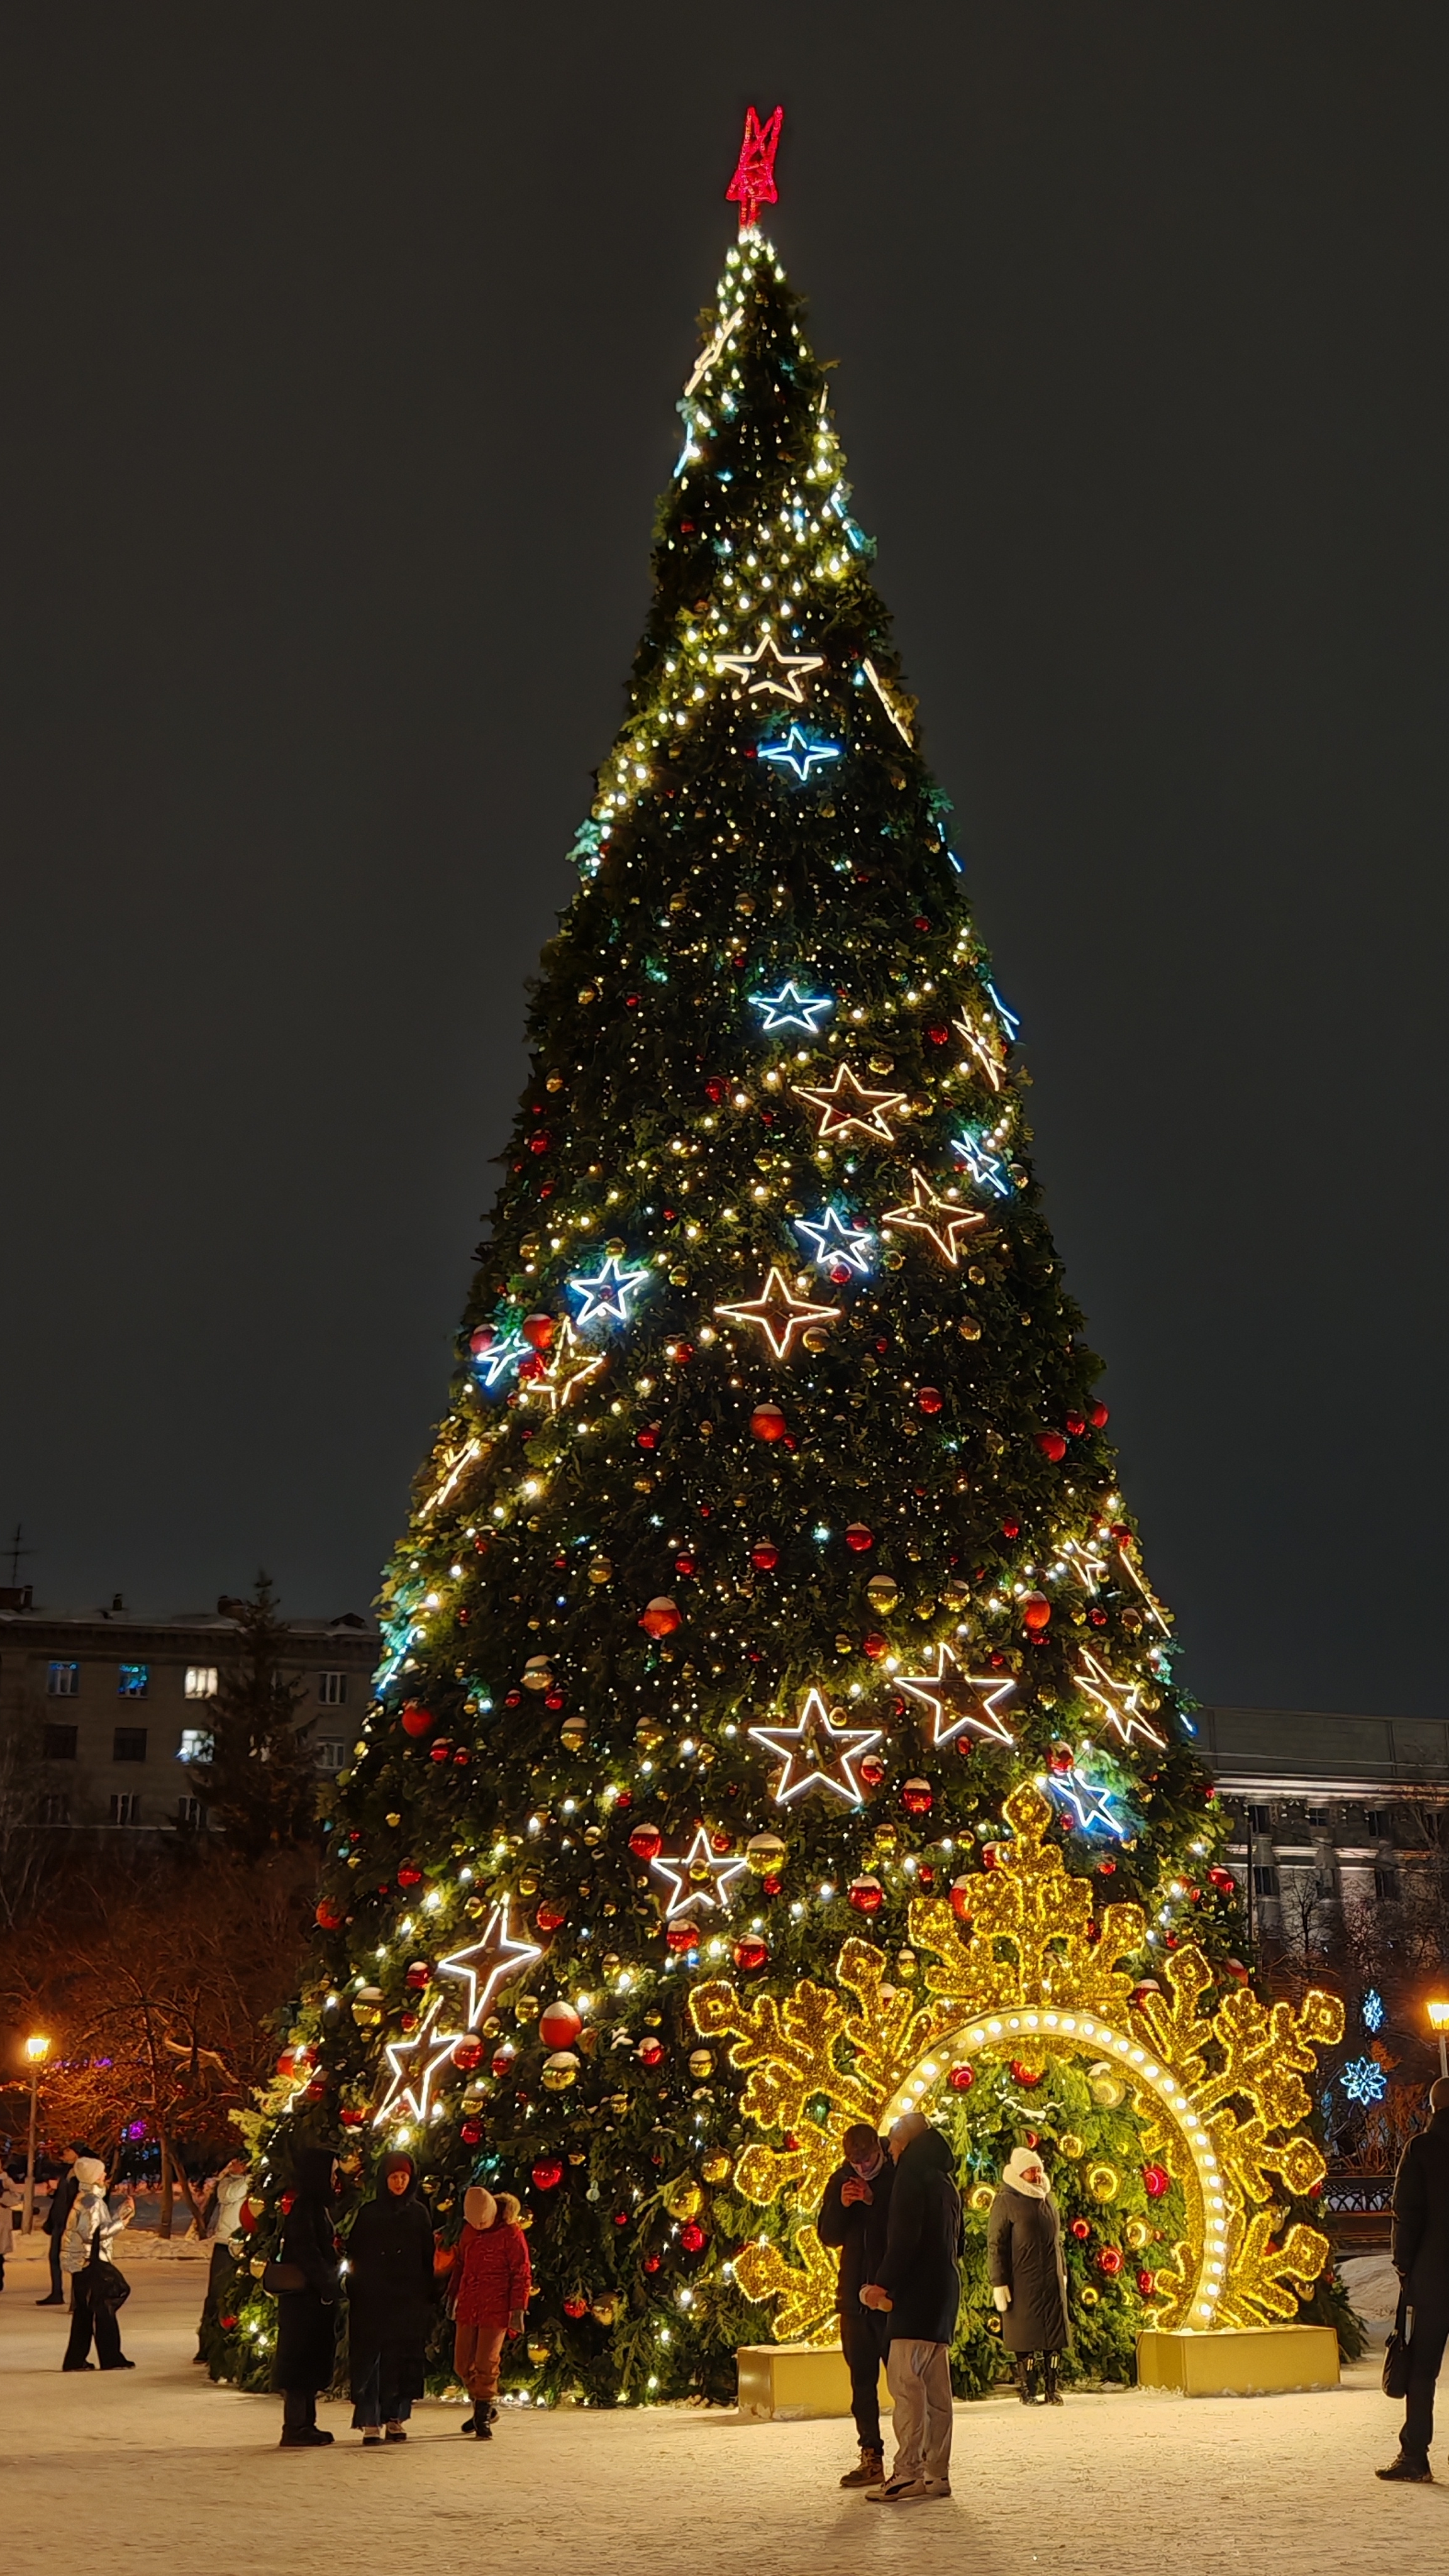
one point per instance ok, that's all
(391, 2297)
(918, 2270)
(307, 2318)
(1024, 2256)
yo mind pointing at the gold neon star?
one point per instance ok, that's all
(779, 1314)
(847, 1108)
(489, 1962)
(788, 665)
(988, 1061)
(958, 1699)
(414, 2062)
(926, 1212)
(570, 1368)
(1119, 1702)
(817, 1753)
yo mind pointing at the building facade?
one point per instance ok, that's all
(1330, 1809)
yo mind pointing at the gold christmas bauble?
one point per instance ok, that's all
(1088, 2296)
(538, 2352)
(1072, 2146)
(882, 1592)
(604, 2310)
(1138, 2232)
(560, 2070)
(525, 2008)
(716, 2167)
(983, 2196)
(701, 2063)
(1102, 2181)
(394, 1821)
(257, 2266)
(1105, 2086)
(684, 2200)
(765, 1854)
(528, 1883)
(601, 1570)
(367, 2008)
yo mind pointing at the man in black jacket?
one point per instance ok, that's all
(853, 2218)
(1421, 2259)
(62, 2200)
(919, 2289)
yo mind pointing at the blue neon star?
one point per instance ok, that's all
(607, 1293)
(1009, 1020)
(1364, 2080)
(791, 1009)
(494, 1363)
(985, 1169)
(797, 751)
(1092, 1808)
(833, 1241)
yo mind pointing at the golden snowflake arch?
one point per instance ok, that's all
(1219, 2093)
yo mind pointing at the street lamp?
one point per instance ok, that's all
(37, 2050)
(1439, 2022)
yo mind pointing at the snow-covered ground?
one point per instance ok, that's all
(154, 2472)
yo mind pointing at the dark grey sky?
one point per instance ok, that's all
(340, 349)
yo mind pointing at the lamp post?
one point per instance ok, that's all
(37, 2050)
(1439, 2023)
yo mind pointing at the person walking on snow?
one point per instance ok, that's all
(1420, 2250)
(1027, 2273)
(85, 2255)
(853, 2220)
(391, 2303)
(919, 2289)
(307, 2315)
(492, 2282)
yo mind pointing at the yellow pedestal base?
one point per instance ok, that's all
(1254, 2361)
(788, 2382)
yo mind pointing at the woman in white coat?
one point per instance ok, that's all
(84, 2251)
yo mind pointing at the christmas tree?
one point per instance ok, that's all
(772, 1542)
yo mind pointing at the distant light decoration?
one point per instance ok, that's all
(1363, 2080)
(699, 1878)
(492, 1365)
(1091, 1807)
(792, 1009)
(799, 752)
(847, 1108)
(489, 1962)
(960, 1702)
(1372, 2011)
(778, 1313)
(135, 2131)
(870, 672)
(606, 1292)
(834, 1242)
(985, 1052)
(781, 681)
(942, 1222)
(753, 184)
(985, 1169)
(817, 1753)
(1120, 1702)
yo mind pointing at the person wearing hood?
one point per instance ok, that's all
(918, 2287)
(391, 2303)
(223, 2218)
(85, 2249)
(854, 2216)
(57, 2218)
(491, 2288)
(307, 2315)
(1420, 2251)
(1027, 2273)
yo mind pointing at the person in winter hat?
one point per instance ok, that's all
(307, 2316)
(57, 2219)
(491, 2283)
(222, 2219)
(1027, 2273)
(919, 2288)
(391, 2302)
(1420, 2250)
(90, 2231)
(853, 2219)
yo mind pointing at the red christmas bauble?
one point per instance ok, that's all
(1097, 1415)
(961, 1899)
(692, 2237)
(417, 1975)
(682, 1937)
(416, 1720)
(576, 2307)
(1052, 1444)
(930, 1399)
(551, 1915)
(471, 2132)
(409, 1874)
(870, 1771)
(559, 2025)
(548, 2173)
(551, 1699)
(1146, 2283)
(875, 1645)
(1110, 2261)
(646, 1842)
(328, 1917)
(481, 1339)
(1076, 1424)
(467, 2053)
(858, 1538)
(651, 2262)
(938, 1034)
(440, 1751)
(1223, 1880)
(1025, 2076)
(685, 1564)
(1080, 2230)
(538, 1331)
(648, 1438)
(660, 1616)
(865, 1894)
(767, 1422)
(651, 2051)
(1145, 1986)
(1036, 1612)
(351, 2119)
(1106, 1869)
(503, 2059)
(294, 2061)
(681, 1353)
(1155, 2181)
(750, 1951)
(916, 1797)
(961, 2078)
(1011, 1527)
(531, 1369)
(715, 1088)
(227, 2324)
(765, 1555)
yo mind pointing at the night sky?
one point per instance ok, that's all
(340, 351)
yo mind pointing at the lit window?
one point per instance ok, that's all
(196, 1744)
(126, 1808)
(63, 1681)
(133, 1681)
(332, 1689)
(201, 1681)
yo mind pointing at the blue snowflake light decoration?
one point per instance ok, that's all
(1364, 2080)
(1372, 2009)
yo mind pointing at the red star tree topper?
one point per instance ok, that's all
(753, 184)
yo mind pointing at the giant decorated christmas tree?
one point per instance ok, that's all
(777, 1724)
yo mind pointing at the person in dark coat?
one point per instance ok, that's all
(57, 2219)
(307, 2318)
(1027, 2273)
(391, 2302)
(919, 2288)
(1420, 2249)
(853, 2219)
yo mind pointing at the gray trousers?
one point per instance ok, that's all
(919, 2378)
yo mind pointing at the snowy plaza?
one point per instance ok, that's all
(157, 2470)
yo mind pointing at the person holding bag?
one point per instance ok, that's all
(98, 2290)
(306, 2280)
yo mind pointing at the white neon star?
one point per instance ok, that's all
(960, 1700)
(489, 1962)
(429, 2047)
(834, 1241)
(778, 1314)
(1092, 1807)
(988, 1057)
(985, 1169)
(789, 666)
(1119, 1702)
(791, 1009)
(607, 1293)
(686, 1891)
(825, 1753)
(499, 1356)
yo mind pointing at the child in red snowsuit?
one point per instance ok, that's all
(492, 2281)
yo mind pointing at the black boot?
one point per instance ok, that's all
(1025, 2382)
(1415, 2473)
(1049, 2373)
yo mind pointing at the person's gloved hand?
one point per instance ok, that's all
(1002, 2299)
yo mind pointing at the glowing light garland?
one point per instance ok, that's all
(847, 1108)
(792, 1009)
(926, 1212)
(1119, 1702)
(817, 1753)
(833, 1241)
(688, 1889)
(606, 1294)
(778, 1314)
(960, 1702)
(489, 1962)
(798, 752)
(791, 668)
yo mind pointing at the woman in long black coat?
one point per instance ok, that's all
(391, 2302)
(307, 2317)
(1027, 2273)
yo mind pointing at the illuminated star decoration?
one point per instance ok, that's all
(988, 1058)
(791, 668)
(489, 1962)
(1363, 2080)
(1086, 1561)
(688, 1889)
(414, 2062)
(711, 355)
(753, 184)
(1009, 1020)
(798, 752)
(847, 1108)
(892, 710)
(1155, 1610)
(926, 1212)
(778, 1314)
(986, 1170)
(817, 1754)
(791, 1009)
(1091, 1807)
(1372, 2009)
(493, 1364)
(569, 1369)
(833, 1242)
(607, 1293)
(1119, 1702)
(960, 1701)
